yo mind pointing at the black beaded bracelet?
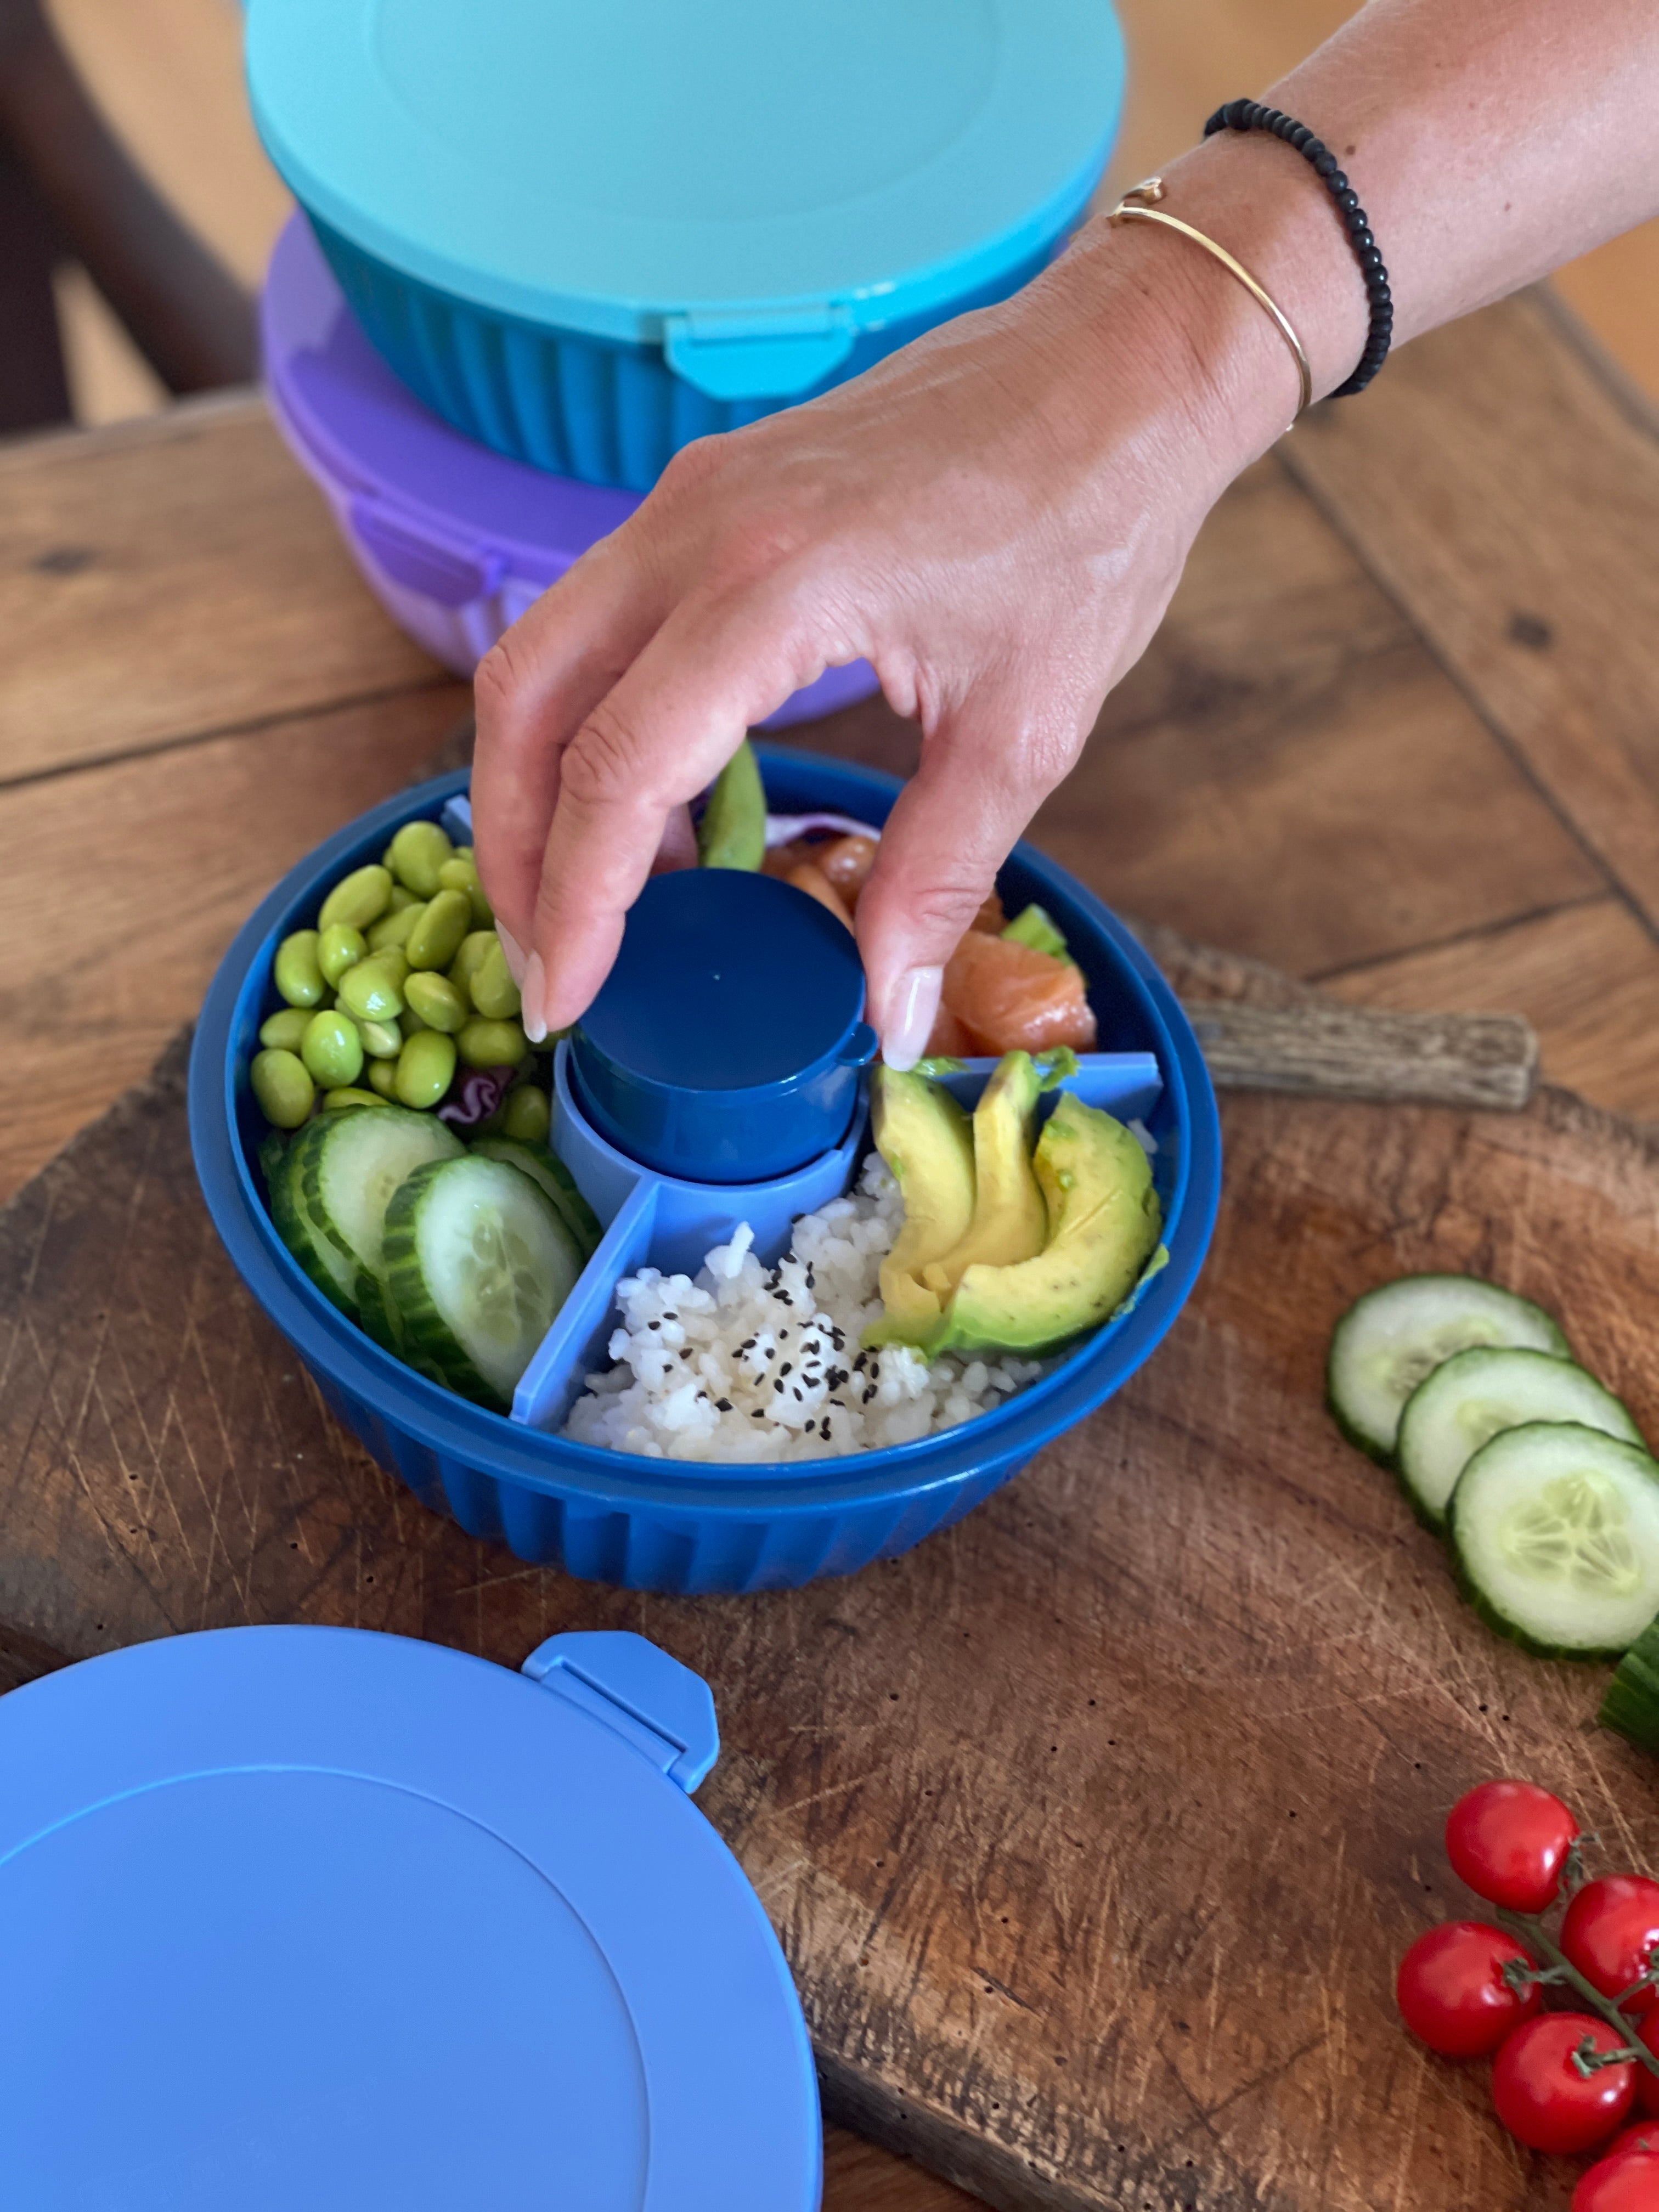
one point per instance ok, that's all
(1251, 115)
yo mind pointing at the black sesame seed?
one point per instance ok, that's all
(653, 1324)
(795, 1388)
(722, 1405)
(787, 1367)
(777, 1386)
(869, 1394)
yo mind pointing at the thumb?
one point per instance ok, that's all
(983, 776)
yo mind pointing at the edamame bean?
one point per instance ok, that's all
(436, 937)
(436, 1000)
(372, 990)
(495, 993)
(383, 1076)
(492, 1044)
(391, 932)
(282, 1032)
(297, 975)
(346, 1096)
(426, 1068)
(403, 898)
(528, 1114)
(338, 948)
(284, 1088)
(416, 854)
(332, 1050)
(462, 875)
(470, 958)
(381, 1040)
(359, 899)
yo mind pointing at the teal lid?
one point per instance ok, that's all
(751, 182)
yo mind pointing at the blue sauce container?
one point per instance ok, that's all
(689, 1527)
(588, 233)
(312, 1916)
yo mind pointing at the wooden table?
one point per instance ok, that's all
(1399, 734)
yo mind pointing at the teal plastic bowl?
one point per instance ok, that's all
(586, 235)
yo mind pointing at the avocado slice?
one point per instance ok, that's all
(925, 1138)
(1105, 1221)
(1011, 1222)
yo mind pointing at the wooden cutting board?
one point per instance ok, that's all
(1094, 1827)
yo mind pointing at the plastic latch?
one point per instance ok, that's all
(422, 564)
(771, 355)
(662, 1708)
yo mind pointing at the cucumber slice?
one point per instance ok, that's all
(1391, 1338)
(334, 1272)
(478, 1261)
(355, 1162)
(1631, 1707)
(1473, 1396)
(1555, 1531)
(544, 1167)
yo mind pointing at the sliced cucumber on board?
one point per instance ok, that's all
(1389, 1340)
(1555, 1531)
(1632, 1704)
(1473, 1396)
(354, 1162)
(478, 1261)
(334, 1272)
(544, 1166)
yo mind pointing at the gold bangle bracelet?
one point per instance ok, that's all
(1138, 205)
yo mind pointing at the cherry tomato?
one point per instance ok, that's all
(1627, 2182)
(1541, 2097)
(1610, 1929)
(1643, 2136)
(1452, 1994)
(1509, 1841)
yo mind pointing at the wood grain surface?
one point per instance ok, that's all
(1320, 761)
(1093, 1827)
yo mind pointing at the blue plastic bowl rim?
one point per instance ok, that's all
(592, 1476)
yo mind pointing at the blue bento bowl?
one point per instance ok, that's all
(675, 1527)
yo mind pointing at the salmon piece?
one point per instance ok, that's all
(847, 861)
(807, 876)
(990, 919)
(951, 1039)
(1015, 999)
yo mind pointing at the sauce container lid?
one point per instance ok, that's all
(309, 1915)
(747, 184)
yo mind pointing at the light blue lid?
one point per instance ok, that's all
(312, 1917)
(744, 174)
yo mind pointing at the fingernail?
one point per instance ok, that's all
(515, 955)
(532, 990)
(916, 1002)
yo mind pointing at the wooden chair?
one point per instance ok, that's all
(68, 190)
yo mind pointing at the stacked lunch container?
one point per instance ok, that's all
(545, 245)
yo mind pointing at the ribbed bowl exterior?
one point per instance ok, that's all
(662, 1526)
(577, 406)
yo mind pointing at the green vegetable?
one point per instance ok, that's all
(492, 1044)
(1475, 1395)
(383, 1077)
(338, 948)
(402, 898)
(393, 927)
(437, 1002)
(528, 1114)
(475, 947)
(1034, 926)
(495, 993)
(1632, 1704)
(1010, 1222)
(351, 1168)
(416, 855)
(337, 1102)
(733, 831)
(372, 990)
(333, 1272)
(331, 1049)
(1392, 1337)
(381, 1040)
(478, 1261)
(295, 971)
(358, 899)
(285, 1090)
(1555, 1533)
(544, 1166)
(426, 1068)
(926, 1140)
(461, 874)
(282, 1032)
(438, 932)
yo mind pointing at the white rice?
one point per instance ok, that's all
(746, 1364)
